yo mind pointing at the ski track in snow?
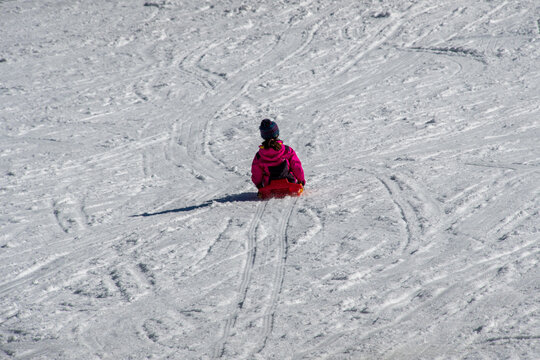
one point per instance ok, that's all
(129, 225)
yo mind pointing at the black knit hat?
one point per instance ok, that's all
(269, 129)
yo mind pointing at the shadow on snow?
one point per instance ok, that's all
(226, 199)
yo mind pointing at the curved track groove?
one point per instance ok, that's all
(393, 192)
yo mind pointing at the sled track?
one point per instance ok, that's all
(219, 350)
(275, 289)
(399, 205)
(406, 210)
(279, 276)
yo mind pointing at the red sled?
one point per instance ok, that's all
(280, 188)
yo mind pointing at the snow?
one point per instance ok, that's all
(129, 226)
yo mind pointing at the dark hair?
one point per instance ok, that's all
(272, 143)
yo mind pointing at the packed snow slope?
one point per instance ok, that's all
(129, 226)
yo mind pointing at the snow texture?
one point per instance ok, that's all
(129, 226)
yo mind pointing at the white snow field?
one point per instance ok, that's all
(129, 226)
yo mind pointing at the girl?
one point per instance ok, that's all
(274, 160)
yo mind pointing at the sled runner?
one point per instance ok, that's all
(280, 188)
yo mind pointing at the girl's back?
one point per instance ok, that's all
(274, 160)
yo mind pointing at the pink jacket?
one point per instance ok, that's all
(265, 158)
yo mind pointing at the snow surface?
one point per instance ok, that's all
(130, 228)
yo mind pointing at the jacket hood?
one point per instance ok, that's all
(272, 156)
